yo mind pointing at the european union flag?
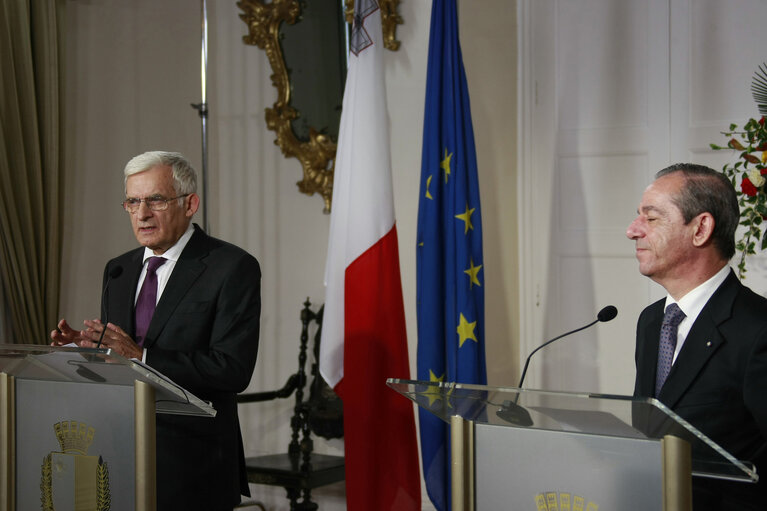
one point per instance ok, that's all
(451, 306)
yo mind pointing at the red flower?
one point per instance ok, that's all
(747, 187)
(761, 121)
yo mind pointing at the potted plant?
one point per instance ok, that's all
(749, 172)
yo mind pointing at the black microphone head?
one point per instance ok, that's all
(117, 271)
(607, 314)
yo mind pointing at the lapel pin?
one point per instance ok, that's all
(708, 344)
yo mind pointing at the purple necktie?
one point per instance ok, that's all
(671, 320)
(147, 299)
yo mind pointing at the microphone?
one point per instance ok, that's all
(113, 274)
(606, 314)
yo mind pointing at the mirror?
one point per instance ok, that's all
(304, 40)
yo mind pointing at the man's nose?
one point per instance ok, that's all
(633, 231)
(143, 210)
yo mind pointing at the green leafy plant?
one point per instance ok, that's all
(748, 173)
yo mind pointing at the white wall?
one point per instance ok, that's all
(614, 92)
(133, 68)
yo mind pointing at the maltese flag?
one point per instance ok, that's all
(364, 339)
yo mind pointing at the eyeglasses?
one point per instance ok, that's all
(155, 203)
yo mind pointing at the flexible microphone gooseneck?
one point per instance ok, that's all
(606, 314)
(113, 274)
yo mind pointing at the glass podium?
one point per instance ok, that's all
(529, 449)
(77, 428)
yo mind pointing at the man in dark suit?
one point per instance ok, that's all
(717, 348)
(203, 333)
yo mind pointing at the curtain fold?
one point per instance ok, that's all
(31, 162)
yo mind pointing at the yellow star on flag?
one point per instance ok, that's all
(473, 273)
(428, 184)
(466, 217)
(465, 331)
(445, 165)
(434, 393)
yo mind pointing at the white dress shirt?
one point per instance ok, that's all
(692, 303)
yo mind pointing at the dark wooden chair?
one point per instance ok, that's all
(300, 470)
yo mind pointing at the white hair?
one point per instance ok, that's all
(184, 175)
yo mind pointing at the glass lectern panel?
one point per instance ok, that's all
(103, 366)
(591, 414)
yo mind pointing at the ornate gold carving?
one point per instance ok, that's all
(317, 155)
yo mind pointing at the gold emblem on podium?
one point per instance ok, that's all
(553, 501)
(71, 479)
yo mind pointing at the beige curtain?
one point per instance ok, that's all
(30, 164)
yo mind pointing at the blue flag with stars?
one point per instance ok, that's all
(450, 274)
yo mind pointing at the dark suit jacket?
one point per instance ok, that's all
(203, 336)
(718, 384)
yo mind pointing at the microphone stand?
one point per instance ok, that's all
(513, 412)
(527, 362)
(202, 109)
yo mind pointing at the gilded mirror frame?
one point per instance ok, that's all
(317, 155)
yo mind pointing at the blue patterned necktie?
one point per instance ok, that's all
(671, 320)
(147, 299)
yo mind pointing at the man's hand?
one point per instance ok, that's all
(114, 338)
(65, 334)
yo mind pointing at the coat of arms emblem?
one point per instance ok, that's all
(551, 501)
(71, 479)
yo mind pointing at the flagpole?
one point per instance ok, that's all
(202, 109)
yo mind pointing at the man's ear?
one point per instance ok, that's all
(193, 205)
(704, 229)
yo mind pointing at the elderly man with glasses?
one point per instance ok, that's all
(189, 306)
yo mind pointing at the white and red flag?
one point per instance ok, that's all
(364, 339)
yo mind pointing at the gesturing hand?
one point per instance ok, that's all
(114, 338)
(65, 334)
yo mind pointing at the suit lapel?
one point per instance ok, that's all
(646, 365)
(187, 270)
(702, 342)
